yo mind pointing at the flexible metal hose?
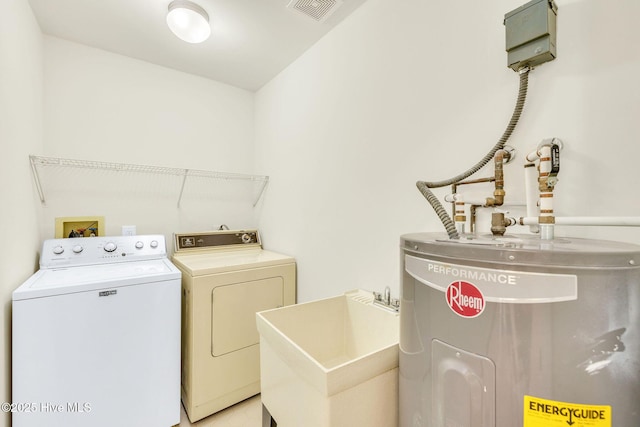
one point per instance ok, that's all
(425, 186)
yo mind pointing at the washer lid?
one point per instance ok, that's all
(202, 263)
(60, 281)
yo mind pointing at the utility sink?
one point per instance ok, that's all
(330, 363)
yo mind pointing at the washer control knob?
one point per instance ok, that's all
(77, 249)
(58, 250)
(139, 245)
(110, 247)
(154, 244)
(246, 238)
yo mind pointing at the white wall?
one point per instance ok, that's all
(396, 93)
(420, 90)
(20, 135)
(105, 107)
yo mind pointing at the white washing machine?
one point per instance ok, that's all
(226, 278)
(96, 336)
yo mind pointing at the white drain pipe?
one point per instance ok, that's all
(611, 221)
(531, 194)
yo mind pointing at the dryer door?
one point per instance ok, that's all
(233, 312)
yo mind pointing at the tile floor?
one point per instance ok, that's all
(247, 413)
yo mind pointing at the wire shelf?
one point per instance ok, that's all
(55, 162)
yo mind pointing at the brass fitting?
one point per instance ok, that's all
(498, 196)
(499, 223)
(546, 219)
(500, 158)
(459, 212)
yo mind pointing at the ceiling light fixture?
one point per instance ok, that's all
(188, 21)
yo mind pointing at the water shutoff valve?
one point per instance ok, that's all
(555, 165)
(499, 223)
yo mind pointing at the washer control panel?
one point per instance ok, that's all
(224, 239)
(101, 250)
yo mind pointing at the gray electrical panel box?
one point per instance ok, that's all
(531, 34)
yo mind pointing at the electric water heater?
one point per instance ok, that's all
(519, 332)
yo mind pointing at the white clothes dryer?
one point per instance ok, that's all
(226, 278)
(96, 336)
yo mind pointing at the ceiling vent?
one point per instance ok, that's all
(318, 10)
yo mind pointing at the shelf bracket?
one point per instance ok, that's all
(184, 181)
(36, 177)
(264, 186)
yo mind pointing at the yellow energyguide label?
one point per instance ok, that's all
(550, 413)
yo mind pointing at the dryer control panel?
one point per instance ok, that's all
(222, 239)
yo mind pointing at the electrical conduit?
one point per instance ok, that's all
(425, 186)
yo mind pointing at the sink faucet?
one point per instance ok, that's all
(385, 300)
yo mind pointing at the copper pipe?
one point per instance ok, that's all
(472, 217)
(477, 181)
(454, 189)
(499, 193)
(500, 157)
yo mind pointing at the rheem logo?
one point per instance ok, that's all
(465, 299)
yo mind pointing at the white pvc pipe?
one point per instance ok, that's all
(475, 201)
(453, 198)
(450, 198)
(547, 231)
(460, 217)
(546, 197)
(532, 156)
(531, 194)
(612, 221)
